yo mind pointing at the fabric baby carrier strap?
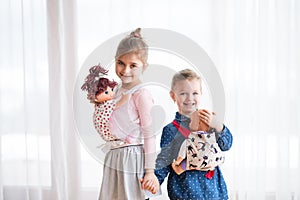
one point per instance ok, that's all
(130, 91)
(184, 131)
(135, 88)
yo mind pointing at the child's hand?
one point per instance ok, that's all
(150, 182)
(210, 118)
(123, 100)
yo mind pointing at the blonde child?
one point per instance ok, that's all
(127, 165)
(186, 91)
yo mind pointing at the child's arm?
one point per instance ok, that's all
(144, 102)
(163, 168)
(181, 154)
(179, 165)
(224, 139)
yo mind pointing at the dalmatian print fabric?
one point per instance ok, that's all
(203, 152)
(101, 118)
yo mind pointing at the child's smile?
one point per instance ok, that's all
(186, 94)
(129, 68)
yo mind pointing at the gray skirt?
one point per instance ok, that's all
(123, 168)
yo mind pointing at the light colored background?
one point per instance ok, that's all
(254, 45)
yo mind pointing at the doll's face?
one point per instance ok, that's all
(108, 94)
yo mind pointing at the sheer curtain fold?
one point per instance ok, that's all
(256, 51)
(23, 87)
(38, 141)
(254, 45)
(1, 182)
(62, 55)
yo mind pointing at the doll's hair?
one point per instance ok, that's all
(103, 83)
(185, 74)
(95, 83)
(133, 43)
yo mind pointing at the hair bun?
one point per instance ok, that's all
(136, 33)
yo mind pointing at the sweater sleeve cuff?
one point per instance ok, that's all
(150, 161)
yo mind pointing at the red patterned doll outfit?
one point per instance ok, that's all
(101, 118)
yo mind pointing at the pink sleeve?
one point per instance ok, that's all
(144, 103)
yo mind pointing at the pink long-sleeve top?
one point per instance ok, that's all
(132, 122)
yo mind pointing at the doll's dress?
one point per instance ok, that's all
(101, 118)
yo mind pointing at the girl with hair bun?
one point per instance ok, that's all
(129, 165)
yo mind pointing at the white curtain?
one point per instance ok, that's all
(256, 53)
(254, 45)
(62, 55)
(39, 145)
(25, 168)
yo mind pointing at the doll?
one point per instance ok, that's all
(199, 151)
(101, 92)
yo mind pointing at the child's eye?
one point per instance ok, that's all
(119, 62)
(106, 92)
(183, 93)
(133, 66)
(195, 93)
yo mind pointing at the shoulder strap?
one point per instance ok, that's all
(135, 88)
(130, 91)
(184, 131)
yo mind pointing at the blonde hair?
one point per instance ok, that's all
(133, 43)
(185, 74)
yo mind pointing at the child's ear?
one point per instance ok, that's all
(172, 95)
